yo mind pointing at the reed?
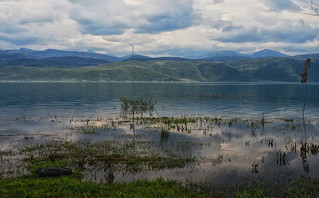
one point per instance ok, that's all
(304, 79)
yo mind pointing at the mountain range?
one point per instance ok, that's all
(61, 58)
(57, 65)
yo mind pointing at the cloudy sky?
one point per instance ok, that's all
(160, 28)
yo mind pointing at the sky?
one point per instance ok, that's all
(186, 28)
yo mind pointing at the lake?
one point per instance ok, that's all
(245, 100)
(238, 131)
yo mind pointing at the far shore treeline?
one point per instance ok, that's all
(250, 70)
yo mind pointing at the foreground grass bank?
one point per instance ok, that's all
(33, 186)
(106, 151)
(70, 186)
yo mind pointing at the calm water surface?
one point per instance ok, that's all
(227, 152)
(245, 100)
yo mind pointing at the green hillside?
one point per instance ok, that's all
(272, 69)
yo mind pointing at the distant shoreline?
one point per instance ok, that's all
(160, 82)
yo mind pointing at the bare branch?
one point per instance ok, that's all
(315, 8)
(316, 4)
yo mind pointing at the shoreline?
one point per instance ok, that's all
(163, 148)
(162, 82)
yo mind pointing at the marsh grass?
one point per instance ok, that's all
(32, 186)
(139, 105)
(164, 133)
(304, 79)
(72, 186)
(282, 158)
(121, 155)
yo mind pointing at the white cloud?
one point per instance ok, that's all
(218, 1)
(114, 17)
(277, 6)
(181, 27)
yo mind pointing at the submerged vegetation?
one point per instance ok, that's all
(139, 105)
(163, 156)
(121, 156)
(106, 152)
(304, 79)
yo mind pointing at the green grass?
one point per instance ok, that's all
(249, 191)
(71, 186)
(77, 155)
(127, 156)
(33, 186)
(302, 187)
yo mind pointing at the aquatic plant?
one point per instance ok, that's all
(270, 143)
(254, 126)
(304, 79)
(304, 149)
(164, 133)
(262, 121)
(282, 158)
(255, 167)
(138, 105)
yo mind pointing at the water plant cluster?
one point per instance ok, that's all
(104, 152)
(138, 105)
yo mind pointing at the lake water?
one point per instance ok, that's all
(245, 100)
(227, 152)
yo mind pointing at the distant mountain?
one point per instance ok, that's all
(147, 58)
(225, 58)
(171, 58)
(305, 56)
(52, 58)
(136, 57)
(49, 53)
(8, 56)
(66, 61)
(227, 55)
(69, 59)
(222, 56)
(267, 69)
(224, 53)
(267, 53)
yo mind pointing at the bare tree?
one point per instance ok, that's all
(315, 7)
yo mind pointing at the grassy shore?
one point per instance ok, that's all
(71, 186)
(147, 150)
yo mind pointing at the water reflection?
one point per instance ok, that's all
(223, 148)
(240, 132)
(174, 99)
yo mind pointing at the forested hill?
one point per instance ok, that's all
(268, 69)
